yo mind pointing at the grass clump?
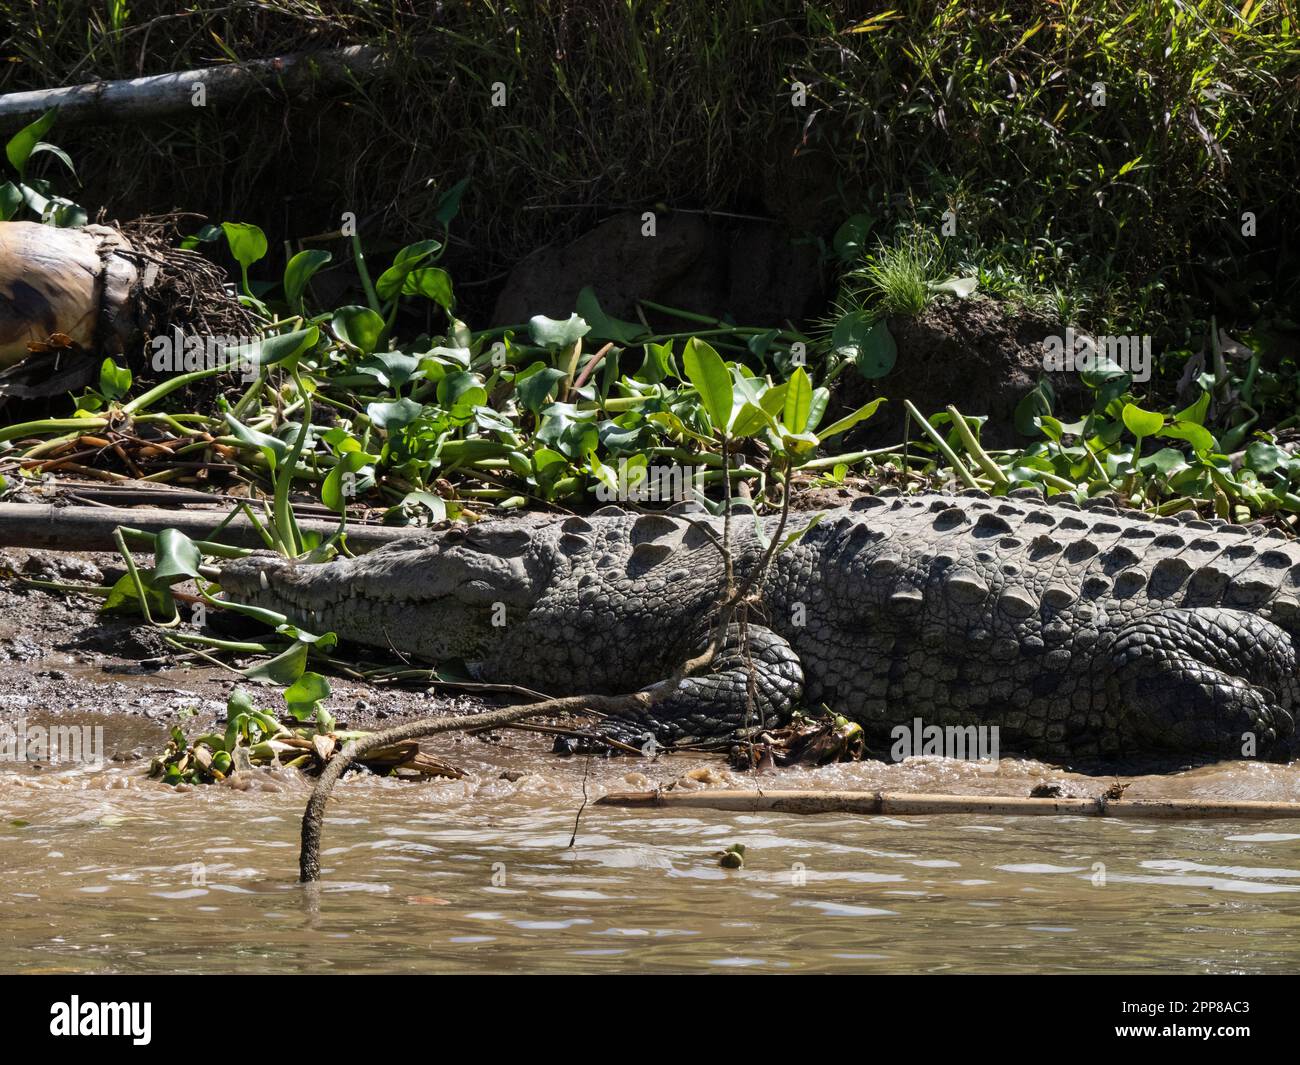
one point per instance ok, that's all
(898, 279)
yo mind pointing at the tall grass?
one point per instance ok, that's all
(990, 111)
(895, 279)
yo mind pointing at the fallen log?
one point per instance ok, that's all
(68, 297)
(901, 804)
(40, 525)
(299, 74)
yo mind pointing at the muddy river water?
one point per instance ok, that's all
(106, 871)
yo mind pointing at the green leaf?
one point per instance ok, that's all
(247, 242)
(657, 364)
(359, 326)
(393, 369)
(1033, 408)
(431, 282)
(1196, 412)
(283, 669)
(448, 205)
(435, 505)
(798, 402)
(304, 695)
(1165, 461)
(10, 200)
(750, 419)
(849, 421)
(299, 270)
(553, 333)
(206, 235)
(332, 494)
(283, 348)
(868, 343)
(57, 152)
(392, 280)
(708, 373)
(392, 416)
(122, 596)
(536, 385)
(603, 326)
(961, 287)
(1263, 457)
(176, 558)
(1142, 423)
(114, 380)
(275, 449)
(23, 143)
(821, 399)
(851, 238)
(1105, 373)
(66, 215)
(798, 534)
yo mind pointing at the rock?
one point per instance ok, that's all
(751, 270)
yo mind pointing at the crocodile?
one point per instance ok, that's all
(1081, 632)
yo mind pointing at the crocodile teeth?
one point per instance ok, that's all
(1017, 602)
(965, 586)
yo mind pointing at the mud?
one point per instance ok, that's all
(979, 355)
(61, 658)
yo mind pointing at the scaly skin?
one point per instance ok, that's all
(1079, 633)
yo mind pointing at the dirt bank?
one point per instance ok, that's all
(59, 657)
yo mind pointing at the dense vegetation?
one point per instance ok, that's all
(1098, 148)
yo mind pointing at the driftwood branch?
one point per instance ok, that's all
(298, 74)
(40, 525)
(309, 852)
(901, 804)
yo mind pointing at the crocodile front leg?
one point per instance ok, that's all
(717, 702)
(1208, 680)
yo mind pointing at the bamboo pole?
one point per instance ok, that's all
(298, 74)
(40, 525)
(900, 804)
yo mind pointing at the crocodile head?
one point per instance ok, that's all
(436, 598)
